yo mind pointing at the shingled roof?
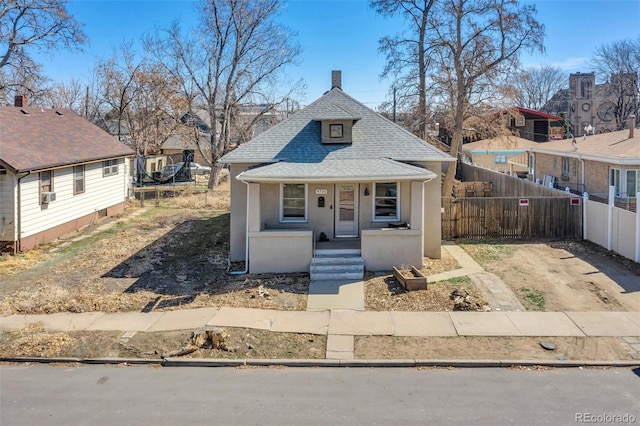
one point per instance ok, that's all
(614, 147)
(33, 138)
(298, 138)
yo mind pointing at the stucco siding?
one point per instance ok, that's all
(238, 219)
(280, 251)
(7, 207)
(432, 226)
(100, 193)
(384, 248)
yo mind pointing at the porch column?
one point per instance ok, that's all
(432, 219)
(254, 207)
(416, 219)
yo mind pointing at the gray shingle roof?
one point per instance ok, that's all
(335, 170)
(297, 139)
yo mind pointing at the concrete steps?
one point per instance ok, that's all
(337, 264)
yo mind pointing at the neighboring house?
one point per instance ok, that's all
(178, 148)
(534, 125)
(520, 122)
(58, 173)
(594, 105)
(336, 171)
(182, 143)
(591, 164)
(495, 153)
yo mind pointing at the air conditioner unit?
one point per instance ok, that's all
(48, 197)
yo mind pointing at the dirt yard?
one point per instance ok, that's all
(562, 275)
(173, 256)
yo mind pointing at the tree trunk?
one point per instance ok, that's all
(214, 177)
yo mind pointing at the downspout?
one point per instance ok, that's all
(582, 177)
(637, 228)
(19, 218)
(422, 219)
(246, 243)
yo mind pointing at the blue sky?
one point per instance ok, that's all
(339, 34)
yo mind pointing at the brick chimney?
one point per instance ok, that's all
(336, 79)
(632, 124)
(21, 101)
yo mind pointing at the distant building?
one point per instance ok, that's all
(592, 107)
(558, 104)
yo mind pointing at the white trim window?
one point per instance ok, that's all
(386, 201)
(565, 166)
(632, 183)
(532, 164)
(46, 181)
(293, 202)
(78, 179)
(615, 181)
(109, 168)
(501, 158)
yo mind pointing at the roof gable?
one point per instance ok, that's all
(36, 138)
(298, 138)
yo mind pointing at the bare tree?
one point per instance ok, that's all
(407, 58)
(143, 100)
(33, 25)
(235, 57)
(70, 95)
(618, 63)
(476, 45)
(535, 86)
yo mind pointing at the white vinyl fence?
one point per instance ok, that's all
(614, 228)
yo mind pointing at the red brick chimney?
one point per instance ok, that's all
(21, 101)
(632, 124)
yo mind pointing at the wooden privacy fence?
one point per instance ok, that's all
(512, 217)
(504, 185)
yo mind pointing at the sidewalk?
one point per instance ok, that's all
(346, 322)
(336, 309)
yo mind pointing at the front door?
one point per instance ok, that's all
(346, 210)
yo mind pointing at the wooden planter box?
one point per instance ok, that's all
(416, 281)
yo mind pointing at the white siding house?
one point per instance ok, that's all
(44, 192)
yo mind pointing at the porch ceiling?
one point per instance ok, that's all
(365, 170)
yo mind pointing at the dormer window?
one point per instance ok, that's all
(336, 131)
(337, 125)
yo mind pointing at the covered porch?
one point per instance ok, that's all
(375, 212)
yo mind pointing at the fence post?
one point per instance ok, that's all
(612, 195)
(637, 228)
(585, 198)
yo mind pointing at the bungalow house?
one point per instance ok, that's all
(590, 164)
(335, 175)
(495, 153)
(58, 172)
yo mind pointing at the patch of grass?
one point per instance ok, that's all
(532, 297)
(486, 251)
(457, 282)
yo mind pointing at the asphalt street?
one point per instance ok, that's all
(143, 395)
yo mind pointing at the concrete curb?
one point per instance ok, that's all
(357, 363)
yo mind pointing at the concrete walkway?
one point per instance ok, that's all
(336, 309)
(340, 297)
